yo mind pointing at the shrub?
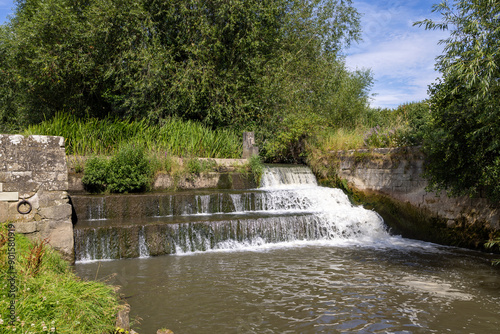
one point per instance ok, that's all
(197, 166)
(257, 168)
(287, 142)
(376, 137)
(129, 170)
(96, 174)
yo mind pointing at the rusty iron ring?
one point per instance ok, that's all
(23, 201)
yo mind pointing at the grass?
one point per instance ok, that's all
(342, 139)
(50, 298)
(175, 137)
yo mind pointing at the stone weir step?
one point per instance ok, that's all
(134, 207)
(162, 237)
(135, 225)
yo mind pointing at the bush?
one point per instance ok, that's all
(257, 168)
(95, 178)
(197, 166)
(287, 142)
(129, 170)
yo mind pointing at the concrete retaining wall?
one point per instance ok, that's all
(397, 173)
(34, 169)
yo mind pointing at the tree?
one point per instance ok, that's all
(247, 64)
(463, 145)
(65, 55)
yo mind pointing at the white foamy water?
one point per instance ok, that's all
(337, 222)
(288, 210)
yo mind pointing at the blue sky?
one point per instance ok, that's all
(401, 56)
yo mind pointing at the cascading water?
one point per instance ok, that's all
(316, 264)
(289, 207)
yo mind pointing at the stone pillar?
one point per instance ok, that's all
(249, 148)
(33, 169)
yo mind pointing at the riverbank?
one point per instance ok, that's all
(44, 295)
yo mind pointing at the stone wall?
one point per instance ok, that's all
(230, 174)
(397, 173)
(34, 169)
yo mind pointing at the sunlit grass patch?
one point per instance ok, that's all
(49, 297)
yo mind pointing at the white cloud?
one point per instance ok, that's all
(401, 56)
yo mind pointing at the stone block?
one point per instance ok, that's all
(9, 196)
(4, 212)
(26, 227)
(58, 212)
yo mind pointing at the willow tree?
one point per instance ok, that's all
(463, 147)
(65, 55)
(239, 63)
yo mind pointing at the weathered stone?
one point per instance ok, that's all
(35, 167)
(164, 331)
(122, 318)
(59, 212)
(397, 173)
(9, 196)
(249, 148)
(26, 227)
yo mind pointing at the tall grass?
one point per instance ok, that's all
(50, 298)
(341, 139)
(176, 137)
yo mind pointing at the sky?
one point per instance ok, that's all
(401, 56)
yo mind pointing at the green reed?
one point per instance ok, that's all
(175, 137)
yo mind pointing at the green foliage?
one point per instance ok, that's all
(376, 137)
(129, 170)
(288, 142)
(172, 137)
(197, 166)
(68, 55)
(471, 52)
(95, 178)
(415, 117)
(491, 244)
(404, 126)
(243, 64)
(54, 299)
(463, 144)
(256, 168)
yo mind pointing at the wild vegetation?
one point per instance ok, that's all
(49, 297)
(273, 67)
(172, 136)
(463, 147)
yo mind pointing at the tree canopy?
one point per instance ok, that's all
(463, 146)
(239, 63)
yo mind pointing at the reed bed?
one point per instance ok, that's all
(174, 137)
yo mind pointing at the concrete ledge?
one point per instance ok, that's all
(396, 173)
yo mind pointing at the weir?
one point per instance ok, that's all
(289, 206)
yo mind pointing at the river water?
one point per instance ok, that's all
(352, 277)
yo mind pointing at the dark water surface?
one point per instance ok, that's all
(311, 287)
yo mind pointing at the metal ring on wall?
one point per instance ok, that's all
(24, 202)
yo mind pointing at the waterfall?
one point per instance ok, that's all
(274, 177)
(289, 207)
